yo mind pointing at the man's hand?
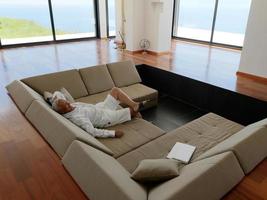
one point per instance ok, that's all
(118, 134)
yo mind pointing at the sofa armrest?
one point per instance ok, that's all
(99, 175)
(207, 179)
(22, 95)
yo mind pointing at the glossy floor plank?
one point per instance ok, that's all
(29, 169)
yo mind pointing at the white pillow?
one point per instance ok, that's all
(67, 95)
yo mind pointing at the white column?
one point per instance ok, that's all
(102, 18)
(135, 23)
(151, 20)
(158, 17)
(254, 56)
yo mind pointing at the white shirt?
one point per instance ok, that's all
(88, 116)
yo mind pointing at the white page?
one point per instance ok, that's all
(182, 152)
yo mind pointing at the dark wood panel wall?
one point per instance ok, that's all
(232, 105)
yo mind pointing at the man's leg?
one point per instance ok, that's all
(119, 95)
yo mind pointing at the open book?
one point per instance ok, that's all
(182, 152)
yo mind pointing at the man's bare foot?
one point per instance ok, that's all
(138, 115)
(136, 107)
(118, 134)
(135, 114)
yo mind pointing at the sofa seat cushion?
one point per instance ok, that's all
(97, 79)
(249, 146)
(140, 92)
(136, 133)
(204, 133)
(124, 73)
(71, 80)
(137, 92)
(94, 99)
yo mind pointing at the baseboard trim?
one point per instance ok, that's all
(259, 79)
(148, 52)
(158, 53)
(133, 52)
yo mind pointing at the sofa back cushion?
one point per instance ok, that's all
(97, 79)
(57, 130)
(210, 178)
(124, 73)
(71, 80)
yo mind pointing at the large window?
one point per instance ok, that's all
(24, 21)
(111, 11)
(231, 22)
(214, 21)
(194, 19)
(74, 18)
(30, 21)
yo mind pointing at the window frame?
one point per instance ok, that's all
(55, 41)
(107, 22)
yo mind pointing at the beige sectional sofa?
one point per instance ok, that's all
(226, 151)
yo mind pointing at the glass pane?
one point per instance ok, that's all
(194, 19)
(74, 18)
(24, 21)
(231, 22)
(111, 18)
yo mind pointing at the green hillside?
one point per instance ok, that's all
(19, 28)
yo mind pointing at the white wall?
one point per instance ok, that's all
(254, 54)
(148, 20)
(158, 20)
(119, 22)
(135, 24)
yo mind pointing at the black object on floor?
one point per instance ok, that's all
(171, 113)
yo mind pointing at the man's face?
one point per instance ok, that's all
(64, 106)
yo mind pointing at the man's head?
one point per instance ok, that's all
(62, 106)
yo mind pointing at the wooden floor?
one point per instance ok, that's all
(29, 169)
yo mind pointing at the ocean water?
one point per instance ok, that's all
(68, 18)
(232, 15)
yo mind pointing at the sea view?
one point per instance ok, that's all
(78, 16)
(68, 18)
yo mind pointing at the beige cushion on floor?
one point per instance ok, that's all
(136, 133)
(140, 92)
(94, 99)
(124, 73)
(22, 95)
(153, 170)
(208, 179)
(137, 92)
(71, 80)
(97, 79)
(249, 145)
(204, 133)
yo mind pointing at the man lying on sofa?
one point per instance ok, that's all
(104, 114)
